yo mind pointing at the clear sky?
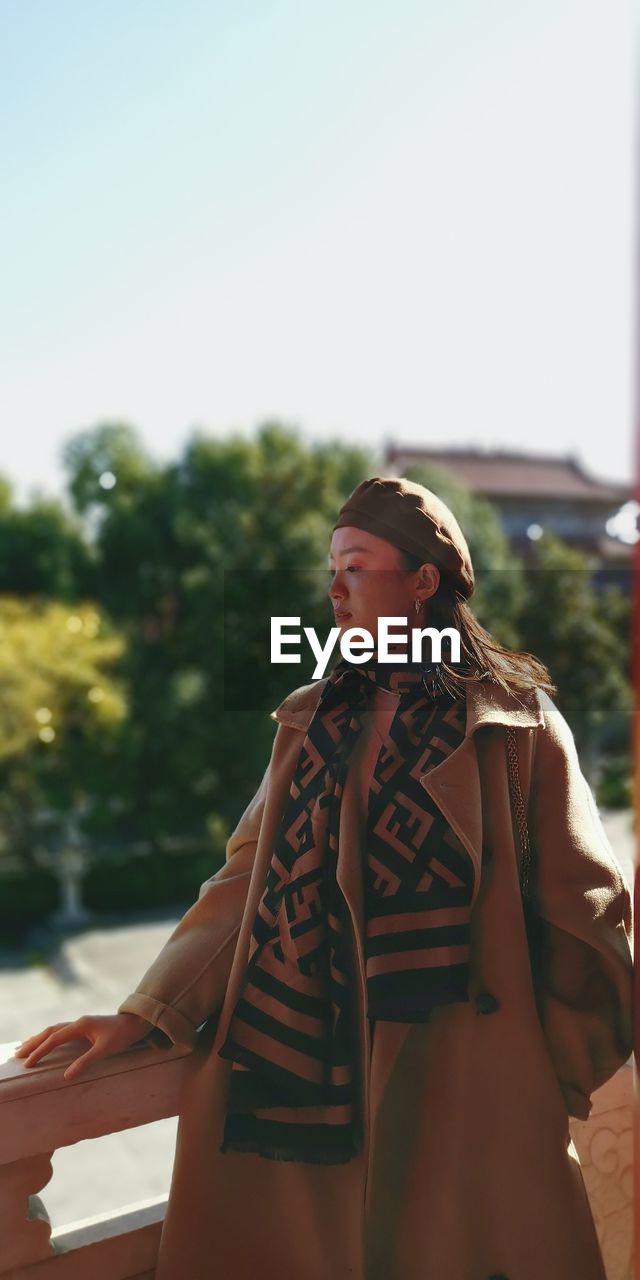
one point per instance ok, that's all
(388, 218)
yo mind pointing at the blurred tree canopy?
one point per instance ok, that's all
(550, 608)
(43, 550)
(178, 567)
(62, 707)
(584, 639)
(181, 550)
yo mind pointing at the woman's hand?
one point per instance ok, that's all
(108, 1034)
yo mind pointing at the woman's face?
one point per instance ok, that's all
(368, 581)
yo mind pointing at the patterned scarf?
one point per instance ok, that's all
(292, 1037)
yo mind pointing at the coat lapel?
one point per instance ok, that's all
(454, 786)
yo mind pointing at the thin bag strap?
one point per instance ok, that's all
(519, 812)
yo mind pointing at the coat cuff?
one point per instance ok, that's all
(162, 1016)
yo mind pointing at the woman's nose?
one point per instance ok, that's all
(336, 589)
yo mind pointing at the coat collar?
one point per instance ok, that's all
(487, 703)
(454, 784)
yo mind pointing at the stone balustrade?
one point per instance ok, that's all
(40, 1111)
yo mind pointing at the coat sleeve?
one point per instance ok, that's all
(582, 925)
(186, 982)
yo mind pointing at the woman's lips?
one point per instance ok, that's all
(341, 617)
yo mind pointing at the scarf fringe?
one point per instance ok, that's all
(282, 1153)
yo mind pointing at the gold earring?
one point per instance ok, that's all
(418, 605)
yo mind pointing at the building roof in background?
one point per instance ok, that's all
(501, 473)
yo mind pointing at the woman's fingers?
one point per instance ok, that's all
(69, 1032)
(106, 1034)
(85, 1059)
(31, 1042)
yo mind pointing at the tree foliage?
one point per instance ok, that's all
(174, 570)
(63, 707)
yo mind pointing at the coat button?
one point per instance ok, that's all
(487, 1003)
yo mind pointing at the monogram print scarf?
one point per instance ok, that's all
(292, 1037)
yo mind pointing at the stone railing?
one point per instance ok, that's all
(40, 1111)
(605, 1146)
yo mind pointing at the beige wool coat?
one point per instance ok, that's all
(468, 1171)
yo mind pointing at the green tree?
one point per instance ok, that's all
(105, 459)
(43, 550)
(580, 635)
(550, 608)
(63, 706)
(191, 560)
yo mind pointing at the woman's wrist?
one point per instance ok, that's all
(137, 1021)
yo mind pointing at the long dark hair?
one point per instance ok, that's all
(481, 657)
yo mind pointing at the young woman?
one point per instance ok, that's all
(413, 967)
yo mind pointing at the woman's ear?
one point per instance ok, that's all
(429, 578)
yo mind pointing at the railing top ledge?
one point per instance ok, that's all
(41, 1111)
(47, 1076)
